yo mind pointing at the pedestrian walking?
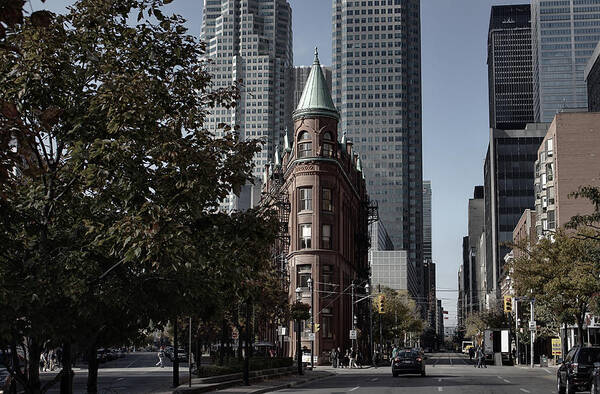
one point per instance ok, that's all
(359, 358)
(333, 358)
(481, 359)
(353, 358)
(161, 356)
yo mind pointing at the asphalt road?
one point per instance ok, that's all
(446, 373)
(135, 373)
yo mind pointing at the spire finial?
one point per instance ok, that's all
(316, 61)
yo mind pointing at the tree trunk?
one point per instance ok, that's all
(565, 344)
(66, 382)
(247, 344)
(580, 320)
(175, 356)
(222, 344)
(92, 380)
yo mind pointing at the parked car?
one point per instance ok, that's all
(575, 372)
(408, 361)
(182, 355)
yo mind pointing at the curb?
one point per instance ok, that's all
(291, 384)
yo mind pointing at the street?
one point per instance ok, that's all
(446, 372)
(134, 373)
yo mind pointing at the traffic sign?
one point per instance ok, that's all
(532, 325)
(282, 331)
(556, 347)
(311, 336)
(352, 334)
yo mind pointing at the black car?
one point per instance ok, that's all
(408, 361)
(575, 373)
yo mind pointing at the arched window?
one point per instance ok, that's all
(327, 136)
(304, 144)
(304, 136)
(327, 149)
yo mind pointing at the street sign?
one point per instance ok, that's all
(352, 334)
(311, 336)
(532, 325)
(282, 331)
(556, 347)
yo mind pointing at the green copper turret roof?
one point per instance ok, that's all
(316, 98)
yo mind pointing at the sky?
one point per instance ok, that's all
(455, 106)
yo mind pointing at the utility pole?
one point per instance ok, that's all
(190, 354)
(312, 323)
(517, 329)
(532, 328)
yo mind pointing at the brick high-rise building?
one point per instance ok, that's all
(376, 69)
(329, 238)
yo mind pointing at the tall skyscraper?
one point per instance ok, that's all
(300, 76)
(510, 74)
(509, 175)
(377, 89)
(251, 41)
(565, 34)
(427, 255)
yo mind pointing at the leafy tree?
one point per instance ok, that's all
(562, 275)
(589, 225)
(109, 184)
(401, 315)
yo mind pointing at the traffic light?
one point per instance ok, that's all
(507, 304)
(382, 304)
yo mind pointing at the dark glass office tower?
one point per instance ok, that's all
(377, 89)
(510, 72)
(509, 175)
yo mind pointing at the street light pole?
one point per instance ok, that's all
(532, 319)
(352, 313)
(368, 291)
(312, 323)
(517, 361)
(298, 332)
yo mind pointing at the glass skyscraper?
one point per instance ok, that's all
(377, 89)
(565, 33)
(251, 41)
(510, 73)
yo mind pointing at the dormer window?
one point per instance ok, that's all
(304, 145)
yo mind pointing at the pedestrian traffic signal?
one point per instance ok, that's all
(317, 327)
(507, 304)
(382, 304)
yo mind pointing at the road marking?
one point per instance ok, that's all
(440, 388)
(374, 379)
(119, 379)
(131, 363)
(525, 391)
(440, 380)
(506, 381)
(354, 388)
(547, 370)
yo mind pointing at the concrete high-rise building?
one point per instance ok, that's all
(251, 41)
(564, 35)
(592, 78)
(428, 264)
(508, 191)
(376, 69)
(300, 75)
(510, 73)
(471, 270)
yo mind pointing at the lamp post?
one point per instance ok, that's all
(312, 323)
(352, 313)
(298, 333)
